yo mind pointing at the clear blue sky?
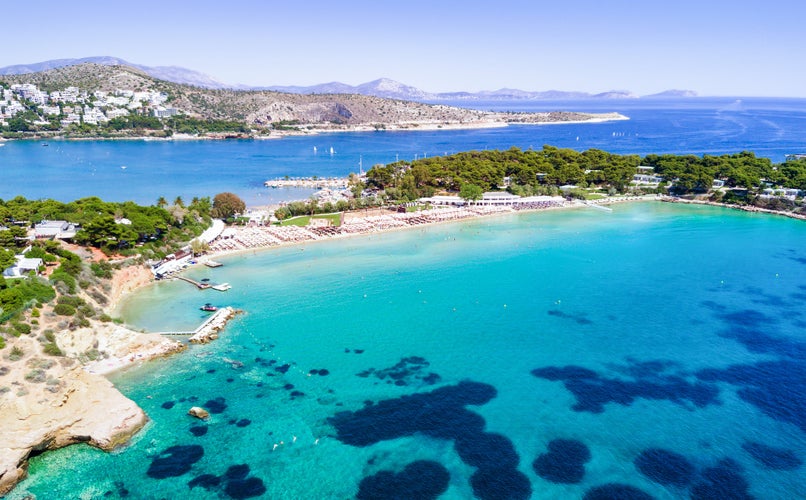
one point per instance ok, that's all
(716, 47)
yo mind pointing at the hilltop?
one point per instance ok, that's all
(381, 87)
(264, 109)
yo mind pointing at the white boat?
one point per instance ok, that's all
(212, 263)
(223, 287)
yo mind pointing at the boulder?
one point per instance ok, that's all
(199, 412)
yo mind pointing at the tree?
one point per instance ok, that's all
(199, 247)
(471, 192)
(179, 202)
(225, 205)
(162, 202)
(7, 259)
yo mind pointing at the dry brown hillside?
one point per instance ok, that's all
(263, 108)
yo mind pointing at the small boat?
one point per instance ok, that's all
(44, 144)
(208, 307)
(223, 287)
(212, 263)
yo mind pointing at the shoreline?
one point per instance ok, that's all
(743, 208)
(368, 127)
(90, 409)
(576, 204)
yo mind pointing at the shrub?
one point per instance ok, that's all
(87, 311)
(49, 335)
(60, 276)
(2, 342)
(36, 376)
(52, 349)
(101, 269)
(16, 353)
(71, 300)
(105, 318)
(84, 284)
(99, 297)
(64, 310)
(22, 328)
(35, 313)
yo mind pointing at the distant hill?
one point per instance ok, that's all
(674, 93)
(298, 111)
(382, 87)
(169, 73)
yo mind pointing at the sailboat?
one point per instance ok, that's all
(332, 150)
(314, 150)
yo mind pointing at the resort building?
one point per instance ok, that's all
(22, 267)
(494, 199)
(58, 229)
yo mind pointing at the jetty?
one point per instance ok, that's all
(197, 284)
(208, 330)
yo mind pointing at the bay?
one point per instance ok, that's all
(650, 332)
(646, 299)
(66, 170)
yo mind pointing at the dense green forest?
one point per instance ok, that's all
(543, 171)
(126, 228)
(78, 287)
(28, 124)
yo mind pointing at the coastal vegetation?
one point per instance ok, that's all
(742, 178)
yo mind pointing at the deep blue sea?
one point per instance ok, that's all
(655, 351)
(66, 170)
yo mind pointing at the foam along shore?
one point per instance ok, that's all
(242, 239)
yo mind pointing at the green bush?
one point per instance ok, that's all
(22, 328)
(60, 276)
(15, 354)
(105, 318)
(101, 269)
(2, 342)
(52, 349)
(49, 335)
(64, 310)
(71, 301)
(35, 313)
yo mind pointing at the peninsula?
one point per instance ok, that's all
(92, 100)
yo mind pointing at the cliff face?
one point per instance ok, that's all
(86, 409)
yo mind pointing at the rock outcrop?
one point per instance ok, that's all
(199, 412)
(87, 409)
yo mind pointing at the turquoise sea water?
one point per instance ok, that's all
(666, 340)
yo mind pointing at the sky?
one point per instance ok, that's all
(714, 47)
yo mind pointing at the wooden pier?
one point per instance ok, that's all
(197, 284)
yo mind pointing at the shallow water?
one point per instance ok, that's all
(656, 326)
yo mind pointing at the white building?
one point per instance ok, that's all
(22, 267)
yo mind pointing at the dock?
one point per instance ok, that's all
(208, 330)
(197, 284)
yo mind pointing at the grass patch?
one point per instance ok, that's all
(304, 220)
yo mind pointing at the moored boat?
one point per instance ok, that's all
(223, 287)
(208, 307)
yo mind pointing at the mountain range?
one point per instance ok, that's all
(382, 87)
